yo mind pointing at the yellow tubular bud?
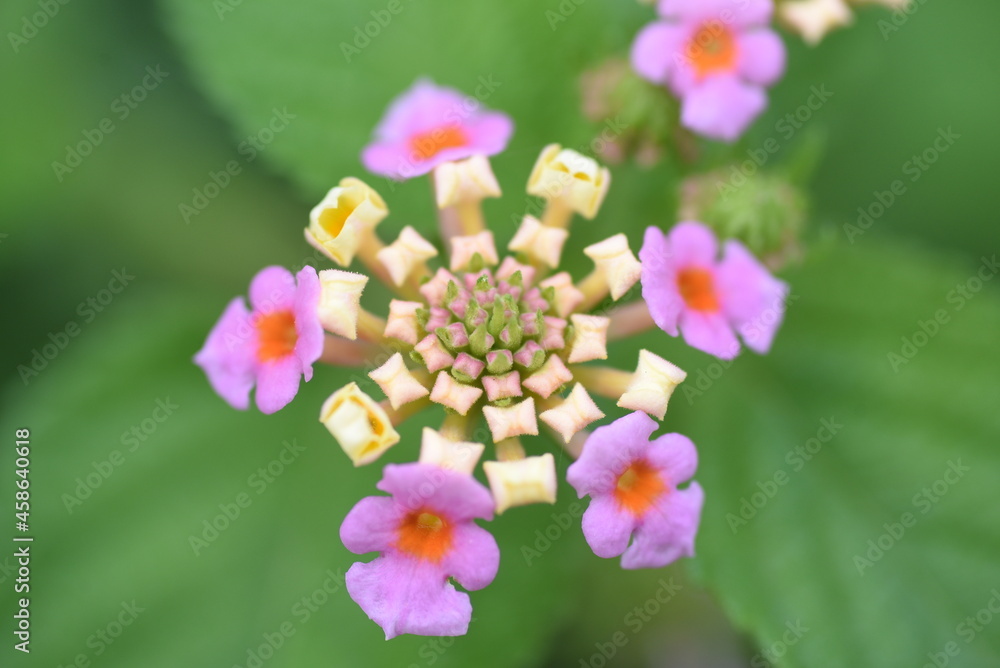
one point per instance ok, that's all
(344, 219)
(340, 301)
(359, 424)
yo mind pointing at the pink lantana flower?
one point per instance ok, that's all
(429, 125)
(425, 534)
(717, 56)
(687, 288)
(273, 346)
(632, 483)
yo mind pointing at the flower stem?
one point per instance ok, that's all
(509, 450)
(602, 380)
(344, 352)
(557, 214)
(629, 320)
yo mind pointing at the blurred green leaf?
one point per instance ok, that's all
(144, 494)
(821, 447)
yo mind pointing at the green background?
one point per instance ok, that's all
(793, 565)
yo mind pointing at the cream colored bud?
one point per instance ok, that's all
(402, 322)
(399, 385)
(590, 338)
(813, 19)
(359, 424)
(463, 248)
(469, 180)
(539, 242)
(434, 354)
(567, 296)
(408, 252)
(339, 224)
(654, 381)
(459, 456)
(575, 179)
(549, 378)
(614, 259)
(340, 301)
(515, 420)
(522, 481)
(576, 412)
(453, 394)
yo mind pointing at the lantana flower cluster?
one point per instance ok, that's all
(503, 338)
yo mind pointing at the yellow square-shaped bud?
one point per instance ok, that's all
(359, 424)
(523, 481)
(616, 263)
(460, 456)
(455, 395)
(408, 252)
(549, 378)
(539, 242)
(567, 296)
(399, 385)
(590, 338)
(654, 381)
(402, 321)
(576, 412)
(517, 419)
(340, 223)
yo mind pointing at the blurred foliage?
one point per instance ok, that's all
(229, 71)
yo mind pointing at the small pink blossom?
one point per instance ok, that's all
(717, 56)
(687, 288)
(425, 534)
(429, 125)
(632, 485)
(273, 346)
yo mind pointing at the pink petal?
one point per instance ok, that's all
(403, 595)
(659, 281)
(272, 289)
(606, 527)
(722, 107)
(474, 558)
(761, 57)
(668, 532)
(711, 333)
(309, 344)
(740, 13)
(753, 299)
(456, 496)
(656, 49)
(489, 132)
(277, 383)
(228, 357)
(675, 456)
(371, 525)
(692, 243)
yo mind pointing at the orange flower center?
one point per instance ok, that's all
(697, 287)
(276, 336)
(425, 145)
(639, 487)
(424, 535)
(712, 49)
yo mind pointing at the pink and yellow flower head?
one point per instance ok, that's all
(497, 338)
(689, 289)
(430, 125)
(717, 56)
(272, 347)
